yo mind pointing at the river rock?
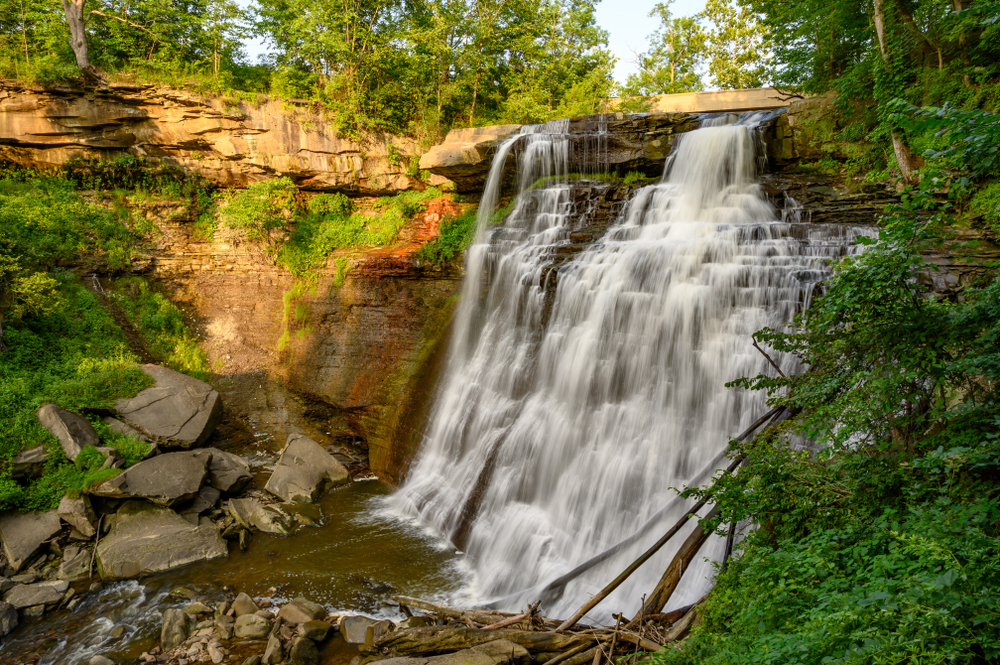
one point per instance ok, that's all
(354, 629)
(178, 411)
(207, 497)
(8, 618)
(242, 509)
(145, 539)
(305, 471)
(165, 479)
(176, 628)
(75, 564)
(252, 627)
(225, 625)
(23, 534)
(253, 660)
(100, 660)
(72, 430)
(227, 472)
(274, 518)
(244, 605)
(314, 630)
(273, 653)
(78, 513)
(303, 652)
(497, 652)
(301, 610)
(29, 463)
(41, 593)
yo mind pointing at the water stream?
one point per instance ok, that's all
(567, 418)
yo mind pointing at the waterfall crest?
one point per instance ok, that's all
(568, 414)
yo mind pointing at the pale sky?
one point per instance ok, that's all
(627, 21)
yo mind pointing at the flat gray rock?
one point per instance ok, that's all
(29, 463)
(301, 610)
(78, 513)
(118, 427)
(41, 593)
(145, 539)
(23, 534)
(252, 627)
(75, 564)
(305, 471)
(244, 604)
(227, 472)
(165, 479)
(178, 411)
(72, 430)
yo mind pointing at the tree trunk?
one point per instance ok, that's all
(899, 147)
(3, 347)
(78, 38)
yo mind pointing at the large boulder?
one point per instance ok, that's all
(301, 610)
(178, 411)
(305, 471)
(78, 513)
(29, 463)
(145, 539)
(252, 627)
(166, 479)
(42, 593)
(72, 430)
(227, 472)
(23, 534)
(354, 629)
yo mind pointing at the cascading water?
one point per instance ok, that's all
(565, 420)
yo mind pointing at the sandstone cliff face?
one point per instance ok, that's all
(229, 145)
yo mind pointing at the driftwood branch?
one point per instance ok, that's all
(479, 616)
(510, 621)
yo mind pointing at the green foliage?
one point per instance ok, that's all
(739, 45)
(161, 324)
(986, 202)
(259, 209)
(456, 234)
(676, 52)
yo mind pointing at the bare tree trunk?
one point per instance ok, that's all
(78, 38)
(24, 37)
(899, 147)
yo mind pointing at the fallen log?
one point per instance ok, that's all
(665, 588)
(510, 621)
(568, 654)
(479, 616)
(681, 628)
(443, 639)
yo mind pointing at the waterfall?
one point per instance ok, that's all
(578, 394)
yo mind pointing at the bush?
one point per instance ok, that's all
(456, 235)
(259, 209)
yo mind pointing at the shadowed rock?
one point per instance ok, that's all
(42, 593)
(72, 430)
(78, 513)
(145, 539)
(8, 618)
(227, 472)
(23, 534)
(29, 463)
(178, 411)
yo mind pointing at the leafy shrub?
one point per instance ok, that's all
(456, 235)
(331, 204)
(259, 209)
(986, 202)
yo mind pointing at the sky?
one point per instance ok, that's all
(627, 21)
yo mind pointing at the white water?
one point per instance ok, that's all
(557, 435)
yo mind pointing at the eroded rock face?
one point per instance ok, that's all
(178, 411)
(233, 147)
(305, 471)
(145, 539)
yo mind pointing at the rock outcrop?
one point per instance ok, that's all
(145, 539)
(72, 430)
(229, 142)
(304, 471)
(638, 142)
(179, 411)
(78, 513)
(227, 472)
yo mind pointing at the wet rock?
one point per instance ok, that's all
(215, 653)
(145, 539)
(225, 625)
(274, 518)
(207, 497)
(29, 463)
(273, 653)
(72, 430)
(304, 471)
(252, 627)
(75, 564)
(375, 631)
(355, 628)
(252, 660)
(23, 534)
(33, 612)
(101, 660)
(41, 593)
(6, 584)
(117, 632)
(244, 605)
(242, 509)
(314, 630)
(303, 652)
(79, 514)
(176, 628)
(178, 411)
(196, 608)
(8, 618)
(227, 472)
(165, 479)
(301, 610)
